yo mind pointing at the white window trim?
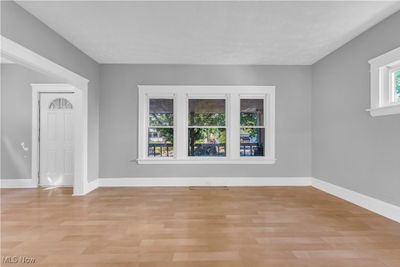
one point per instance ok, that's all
(181, 94)
(381, 67)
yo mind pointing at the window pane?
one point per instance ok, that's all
(252, 142)
(207, 112)
(207, 142)
(252, 112)
(397, 86)
(161, 112)
(161, 142)
(60, 103)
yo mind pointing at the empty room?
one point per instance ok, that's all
(200, 133)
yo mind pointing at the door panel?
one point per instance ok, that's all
(51, 161)
(56, 139)
(68, 161)
(68, 133)
(51, 126)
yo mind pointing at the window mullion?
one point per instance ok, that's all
(234, 127)
(269, 123)
(385, 93)
(181, 124)
(143, 125)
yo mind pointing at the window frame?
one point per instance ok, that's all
(181, 95)
(147, 123)
(265, 121)
(381, 70)
(227, 137)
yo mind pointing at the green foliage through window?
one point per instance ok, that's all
(252, 142)
(207, 112)
(207, 142)
(248, 119)
(397, 84)
(251, 112)
(161, 112)
(207, 119)
(161, 142)
(157, 119)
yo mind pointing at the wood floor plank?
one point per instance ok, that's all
(179, 227)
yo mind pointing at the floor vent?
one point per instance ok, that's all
(208, 188)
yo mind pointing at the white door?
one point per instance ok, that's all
(56, 139)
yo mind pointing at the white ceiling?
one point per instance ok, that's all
(210, 32)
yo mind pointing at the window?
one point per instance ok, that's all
(207, 128)
(161, 128)
(395, 85)
(206, 125)
(385, 84)
(60, 103)
(252, 132)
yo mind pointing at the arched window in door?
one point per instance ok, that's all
(60, 103)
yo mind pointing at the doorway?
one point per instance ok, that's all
(56, 135)
(72, 83)
(56, 139)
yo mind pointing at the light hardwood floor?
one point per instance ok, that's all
(163, 227)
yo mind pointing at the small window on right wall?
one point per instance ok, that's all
(395, 85)
(385, 84)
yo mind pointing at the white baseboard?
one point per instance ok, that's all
(90, 186)
(380, 207)
(18, 183)
(205, 181)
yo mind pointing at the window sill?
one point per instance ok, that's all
(206, 161)
(386, 110)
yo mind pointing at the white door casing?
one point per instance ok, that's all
(56, 139)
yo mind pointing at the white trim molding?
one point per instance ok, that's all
(212, 160)
(19, 54)
(18, 183)
(204, 181)
(372, 204)
(387, 110)
(92, 185)
(382, 94)
(24, 56)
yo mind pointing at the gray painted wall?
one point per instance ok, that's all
(350, 148)
(118, 117)
(16, 119)
(23, 28)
